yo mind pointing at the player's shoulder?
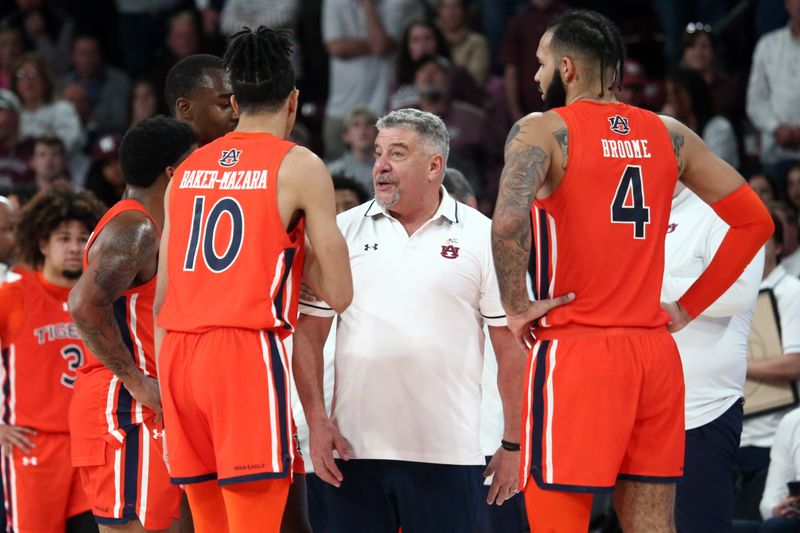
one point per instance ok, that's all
(300, 162)
(129, 231)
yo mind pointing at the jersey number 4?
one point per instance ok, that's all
(204, 234)
(628, 206)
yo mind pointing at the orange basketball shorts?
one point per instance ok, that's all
(42, 489)
(601, 405)
(129, 481)
(227, 409)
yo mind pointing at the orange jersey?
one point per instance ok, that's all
(41, 351)
(601, 233)
(231, 263)
(102, 406)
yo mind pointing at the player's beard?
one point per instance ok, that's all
(556, 93)
(72, 274)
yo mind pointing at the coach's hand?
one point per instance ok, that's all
(11, 436)
(505, 467)
(324, 439)
(521, 325)
(145, 391)
(678, 318)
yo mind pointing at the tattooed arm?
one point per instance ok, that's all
(122, 256)
(528, 159)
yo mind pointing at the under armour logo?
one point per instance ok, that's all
(157, 434)
(64, 306)
(368, 246)
(30, 461)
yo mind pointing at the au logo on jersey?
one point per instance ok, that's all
(619, 124)
(449, 251)
(229, 157)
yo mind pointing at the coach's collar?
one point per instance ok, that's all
(448, 208)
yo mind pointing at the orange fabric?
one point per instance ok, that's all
(226, 421)
(750, 227)
(576, 226)
(41, 350)
(129, 482)
(237, 508)
(581, 429)
(231, 262)
(556, 512)
(208, 507)
(39, 481)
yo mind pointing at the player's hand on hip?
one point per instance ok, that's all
(324, 440)
(678, 318)
(146, 392)
(11, 436)
(505, 467)
(521, 325)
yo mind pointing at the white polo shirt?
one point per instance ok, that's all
(760, 431)
(409, 348)
(713, 347)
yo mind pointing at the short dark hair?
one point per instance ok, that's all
(456, 184)
(406, 67)
(46, 212)
(186, 76)
(591, 35)
(151, 146)
(260, 68)
(50, 140)
(345, 182)
(699, 94)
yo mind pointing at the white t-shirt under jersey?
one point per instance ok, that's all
(713, 347)
(409, 348)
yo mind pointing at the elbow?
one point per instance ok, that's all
(341, 299)
(78, 307)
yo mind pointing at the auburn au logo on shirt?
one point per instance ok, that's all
(619, 124)
(229, 157)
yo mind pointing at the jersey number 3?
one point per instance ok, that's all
(205, 229)
(628, 206)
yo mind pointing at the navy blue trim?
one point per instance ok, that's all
(131, 491)
(649, 479)
(193, 479)
(317, 307)
(8, 496)
(114, 521)
(538, 408)
(6, 386)
(288, 259)
(544, 257)
(252, 477)
(493, 317)
(456, 212)
(369, 208)
(121, 316)
(582, 489)
(278, 379)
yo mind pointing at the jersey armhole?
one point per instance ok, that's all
(290, 236)
(12, 302)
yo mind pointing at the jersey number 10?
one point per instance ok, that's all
(634, 211)
(205, 229)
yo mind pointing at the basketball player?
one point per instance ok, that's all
(198, 92)
(41, 352)
(596, 178)
(236, 215)
(8, 221)
(117, 437)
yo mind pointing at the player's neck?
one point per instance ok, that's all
(152, 199)
(590, 92)
(273, 123)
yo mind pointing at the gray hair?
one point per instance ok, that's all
(426, 125)
(457, 185)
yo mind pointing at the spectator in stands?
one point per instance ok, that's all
(689, 100)
(468, 49)
(780, 510)
(41, 114)
(790, 253)
(144, 102)
(495, 15)
(420, 39)
(634, 81)
(456, 184)
(763, 186)
(793, 187)
(48, 30)
(518, 55)
(758, 434)
(359, 136)
(361, 37)
(49, 162)
(182, 40)
(11, 48)
(107, 87)
(15, 152)
(697, 53)
(8, 223)
(141, 25)
(773, 101)
(473, 138)
(105, 177)
(349, 192)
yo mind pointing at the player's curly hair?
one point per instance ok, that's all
(261, 71)
(594, 36)
(46, 212)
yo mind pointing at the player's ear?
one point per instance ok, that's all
(294, 96)
(183, 109)
(566, 69)
(235, 105)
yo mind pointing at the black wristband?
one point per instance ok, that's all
(509, 446)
